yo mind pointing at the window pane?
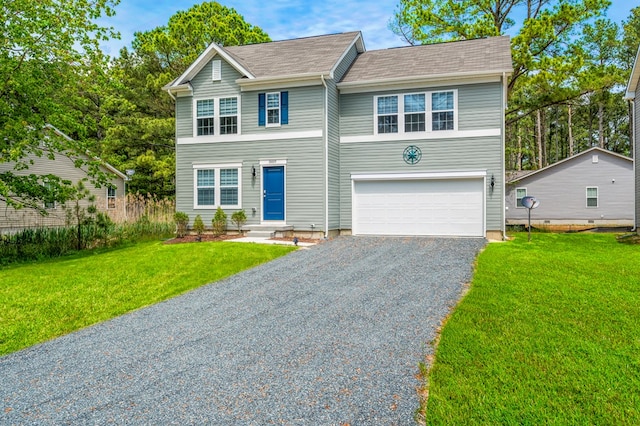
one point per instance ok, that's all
(205, 108)
(414, 122)
(228, 125)
(441, 101)
(111, 192)
(592, 202)
(206, 197)
(228, 176)
(228, 106)
(520, 194)
(442, 120)
(205, 126)
(414, 103)
(388, 124)
(388, 105)
(273, 100)
(228, 196)
(592, 192)
(273, 116)
(206, 178)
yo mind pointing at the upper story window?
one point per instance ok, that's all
(413, 113)
(228, 116)
(225, 122)
(442, 111)
(205, 123)
(387, 110)
(273, 109)
(111, 198)
(520, 194)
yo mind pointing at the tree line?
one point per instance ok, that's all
(571, 65)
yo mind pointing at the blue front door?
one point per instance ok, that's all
(273, 193)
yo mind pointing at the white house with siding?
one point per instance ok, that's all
(594, 188)
(318, 135)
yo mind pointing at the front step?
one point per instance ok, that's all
(267, 231)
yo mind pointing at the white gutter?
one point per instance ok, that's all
(326, 157)
(635, 158)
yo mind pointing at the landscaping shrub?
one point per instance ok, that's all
(239, 218)
(198, 226)
(219, 222)
(182, 222)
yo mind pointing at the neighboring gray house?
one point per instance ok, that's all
(633, 96)
(590, 189)
(108, 200)
(318, 135)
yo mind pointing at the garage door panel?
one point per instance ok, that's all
(419, 207)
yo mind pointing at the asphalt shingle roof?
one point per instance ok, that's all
(488, 54)
(317, 54)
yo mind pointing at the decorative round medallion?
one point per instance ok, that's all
(412, 154)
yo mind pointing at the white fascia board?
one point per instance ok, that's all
(203, 59)
(268, 83)
(414, 136)
(633, 79)
(443, 174)
(256, 137)
(181, 90)
(359, 48)
(420, 81)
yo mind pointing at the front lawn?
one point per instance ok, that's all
(40, 301)
(549, 333)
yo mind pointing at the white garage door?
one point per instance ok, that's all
(448, 207)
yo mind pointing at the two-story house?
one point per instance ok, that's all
(319, 135)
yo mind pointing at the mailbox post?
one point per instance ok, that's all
(530, 203)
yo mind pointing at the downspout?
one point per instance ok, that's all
(635, 157)
(326, 157)
(504, 138)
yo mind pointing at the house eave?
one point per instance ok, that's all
(421, 81)
(294, 80)
(182, 89)
(632, 86)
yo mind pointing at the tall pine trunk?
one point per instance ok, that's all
(570, 124)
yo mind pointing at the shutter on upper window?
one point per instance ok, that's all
(284, 107)
(217, 70)
(261, 109)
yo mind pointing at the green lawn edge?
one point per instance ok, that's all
(44, 300)
(549, 333)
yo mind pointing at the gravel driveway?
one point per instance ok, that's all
(327, 336)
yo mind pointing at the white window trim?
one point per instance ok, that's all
(115, 199)
(216, 117)
(525, 194)
(266, 109)
(597, 197)
(217, 186)
(428, 112)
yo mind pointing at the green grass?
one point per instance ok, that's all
(44, 300)
(549, 333)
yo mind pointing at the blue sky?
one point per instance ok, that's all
(286, 19)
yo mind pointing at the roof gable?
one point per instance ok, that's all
(317, 55)
(519, 177)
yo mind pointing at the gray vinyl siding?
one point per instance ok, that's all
(204, 87)
(304, 174)
(479, 107)
(437, 155)
(561, 190)
(305, 111)
(64, 168)
(636, 155)
(343, 66)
